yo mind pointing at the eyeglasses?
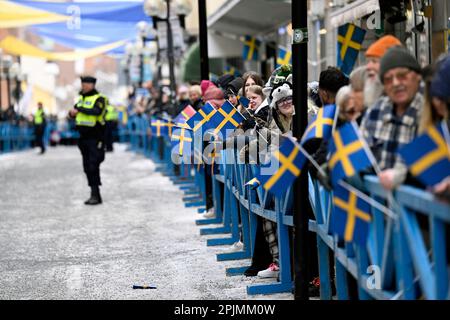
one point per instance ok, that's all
(284, 103)
(401, 76)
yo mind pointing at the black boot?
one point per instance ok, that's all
(95, 196)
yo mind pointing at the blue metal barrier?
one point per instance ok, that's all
(15, 137)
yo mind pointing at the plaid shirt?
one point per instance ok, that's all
(386, 132)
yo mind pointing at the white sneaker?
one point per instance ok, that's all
(271, 272)
(237, 246)
(210, 213)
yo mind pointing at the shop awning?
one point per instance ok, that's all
(249, 17)
(353, 11)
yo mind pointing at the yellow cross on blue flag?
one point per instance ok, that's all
(321, 124)
(284, 57)
(428, 156)
(351, 216)
(182, 141)
(251, 49)
(159, 127)
(350, 39)
(226, 119)
(201, 118)
(348, 155)
(285, 166)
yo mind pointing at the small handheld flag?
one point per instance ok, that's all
(159, 127)
(244, 101)
(182, 141)
(201, 118)
(348, 155)
(428, 156)
(321, 125)
(288, 162)
(351, 216)
(350, 39)
(184, 115)
(226, 118)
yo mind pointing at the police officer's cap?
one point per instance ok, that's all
(88, 79)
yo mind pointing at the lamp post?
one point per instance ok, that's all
(160, 10)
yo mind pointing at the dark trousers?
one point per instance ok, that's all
(93, 152)
(109, 137)
(39, 131)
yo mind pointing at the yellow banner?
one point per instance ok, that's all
(15, 46)
(13, 15)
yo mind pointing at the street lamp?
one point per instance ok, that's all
(160, 10)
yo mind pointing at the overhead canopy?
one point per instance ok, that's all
(14, 15)
(110, 10)
(249, 17)
(353, 11)
(14, 46)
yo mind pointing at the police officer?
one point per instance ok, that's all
(39, 126)
(111, 119)
(89, 114)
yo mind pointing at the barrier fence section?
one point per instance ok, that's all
(406, 256)
(15, 137)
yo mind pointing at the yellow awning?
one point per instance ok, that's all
(13, 15)
(15, 46)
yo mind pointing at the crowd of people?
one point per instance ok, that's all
(391, 98)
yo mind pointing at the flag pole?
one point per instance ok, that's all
(299, 11)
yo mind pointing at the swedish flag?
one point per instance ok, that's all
(284, 57)
(351, 216)
(232, 71)
(182, 141)
(322, 124)
(160, 127)
(251, 48)
(288, 161)
(184, 115)
(226, 118)
(350, 39)
(201, 118)
(428, 156)
(348, 155)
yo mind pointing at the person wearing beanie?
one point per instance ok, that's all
(205, 84)
(232, 89)
(394, 119)
(330, 81)
(214, 96)
(224, 80)
(376, 51)
(373, 88)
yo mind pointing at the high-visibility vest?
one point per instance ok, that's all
(111, 114)
(39, 117)
(86, 120)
